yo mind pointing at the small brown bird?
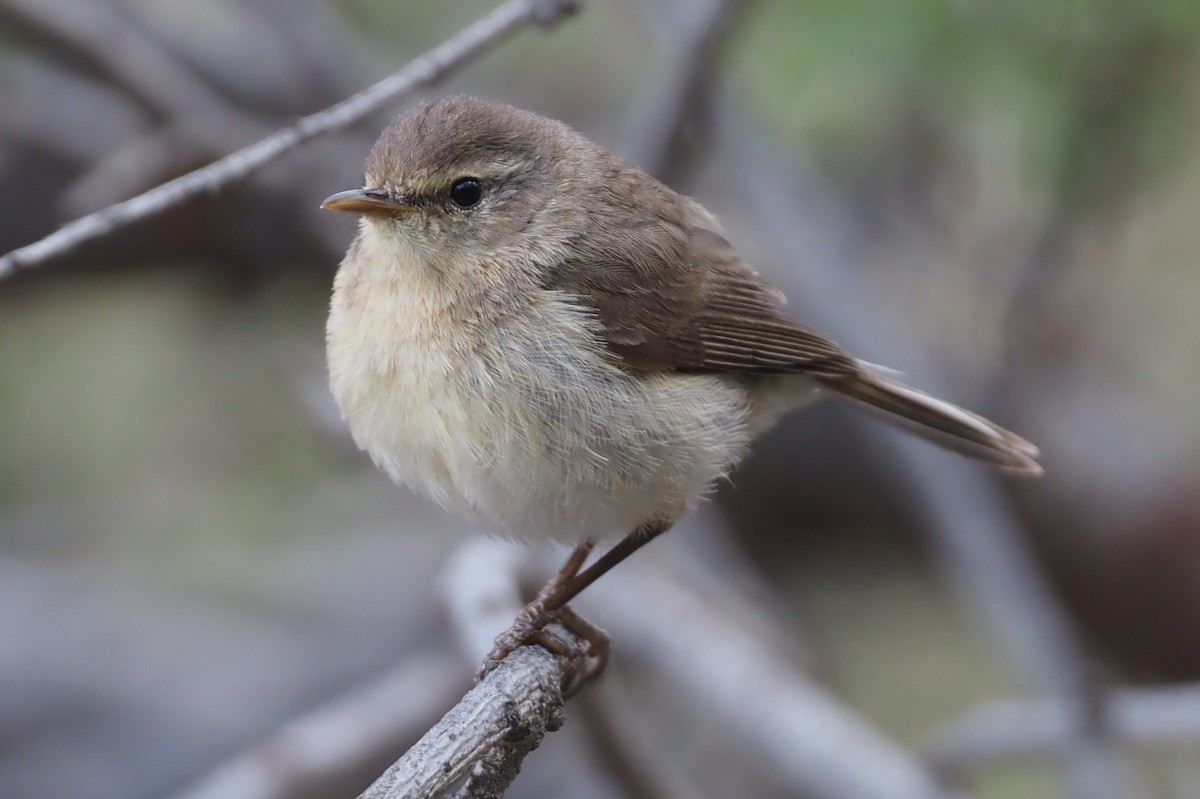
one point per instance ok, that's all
(544, 337)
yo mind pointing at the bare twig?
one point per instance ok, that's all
(1004, 730)
(704, 651)
(433, 65)
(509, 711)
(695, 639)
(340, 740)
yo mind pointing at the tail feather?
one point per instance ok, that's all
(939, 422)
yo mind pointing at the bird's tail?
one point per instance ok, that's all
(938, 421)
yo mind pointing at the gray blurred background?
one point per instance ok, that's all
(1000, 199)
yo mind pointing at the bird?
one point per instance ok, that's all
(545, 338)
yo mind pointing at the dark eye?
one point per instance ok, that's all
(466, 192)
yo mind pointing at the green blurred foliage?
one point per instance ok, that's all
(840, 77)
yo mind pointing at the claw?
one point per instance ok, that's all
(530, 627)
(533, 617)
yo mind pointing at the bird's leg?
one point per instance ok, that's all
(569, 569)
(599, 642)
(551, 601)
(621, 550)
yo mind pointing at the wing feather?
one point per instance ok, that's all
(671, 293)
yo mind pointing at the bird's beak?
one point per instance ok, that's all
(375, 202)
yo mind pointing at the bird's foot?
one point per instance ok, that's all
(532, 619)
(564, 633)
(599, 642)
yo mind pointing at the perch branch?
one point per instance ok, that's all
(471, 42)
(485, 738)
(495, 725)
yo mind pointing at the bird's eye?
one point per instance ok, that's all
(466, 192)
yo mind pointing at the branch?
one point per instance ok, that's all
(422, 71)
(486, 737)
(1003, 730)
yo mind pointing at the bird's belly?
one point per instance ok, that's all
(541, 436)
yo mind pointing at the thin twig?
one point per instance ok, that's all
(422, 71)
(689, 632)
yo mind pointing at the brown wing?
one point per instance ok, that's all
(671, 293)
(739, 322)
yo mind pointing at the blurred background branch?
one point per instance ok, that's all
(327, 751)
(970, 526)
(1010, 729)
(667, 123)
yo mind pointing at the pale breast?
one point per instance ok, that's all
(526, 426)
(575, 446)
